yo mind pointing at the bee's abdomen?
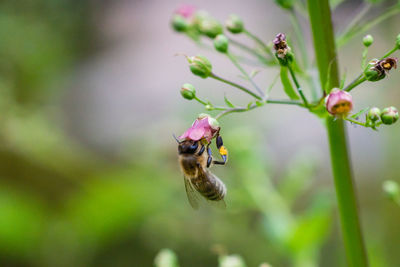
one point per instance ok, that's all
(212, 189)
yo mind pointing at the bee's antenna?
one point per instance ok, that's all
(177, 140)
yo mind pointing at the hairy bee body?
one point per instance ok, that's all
(197, 177)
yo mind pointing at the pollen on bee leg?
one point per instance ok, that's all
(223, 151)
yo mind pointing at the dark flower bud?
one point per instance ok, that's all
(187, 91)
(221, 43)
(234, 24)
(389, 115)
(282, 50)
(179, 23)
(374, 71)
(368, 40)
(374, 114)
(210, 27)
(200, 66)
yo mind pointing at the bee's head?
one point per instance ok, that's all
(188, 147)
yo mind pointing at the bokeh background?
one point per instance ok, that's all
(89, 99)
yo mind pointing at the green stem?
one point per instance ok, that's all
(236, 63)
(244, 89)
(259, 42)
(355, 122)
(359, 80)
(344, 38)
(251, 51)
(394, 49)
(200, 101)
(324, 45)
(298, 86)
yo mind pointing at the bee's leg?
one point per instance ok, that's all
(222, 151)
(209, 159)
(202, 149)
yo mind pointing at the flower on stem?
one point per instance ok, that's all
(234, 24)
(204, 127)
(339, 103)
(188, 92)
(221, 43)
(368, 40)
(377, 69)
(200, 66)
(389, 115)
(282, 50)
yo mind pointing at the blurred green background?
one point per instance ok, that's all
(89, 99)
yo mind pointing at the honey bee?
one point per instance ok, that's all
(194, 163)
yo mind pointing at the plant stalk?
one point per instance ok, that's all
(324, 46)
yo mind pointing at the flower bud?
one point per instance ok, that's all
(339, 103)
(200, 66)
(398, 41)
(210, 27)
(234, 24)
(221, 43)
(389, 115)
(373, 75)
(179, 23)
(282, 50)
(374, 114)
(368, 40)
(391, 189)
(187, 91)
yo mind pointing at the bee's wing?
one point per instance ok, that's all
(191, 193)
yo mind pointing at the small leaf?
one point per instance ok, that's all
(354, 116)
(249, 105)
(259, 103)
(287, 85)
(228, 103)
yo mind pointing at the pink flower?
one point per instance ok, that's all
(186, 11)
(203, 127)
(339, 102)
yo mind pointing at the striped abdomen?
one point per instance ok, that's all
(209, 186)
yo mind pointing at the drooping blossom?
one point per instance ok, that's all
(339, 102)
(280, 45)
(203, 127)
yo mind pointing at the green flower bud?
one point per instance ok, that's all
(234, 24)
(368, 40)
(391, 189)
(389, 115)
(374, 75)
(374, 114)
(200, 66)
(210, 27)
(221, 43)
(187, 91)
(179, 23)
(398, 41)
(286, 4)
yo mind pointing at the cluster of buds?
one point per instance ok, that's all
(195, 22)
(377, 69)
(339, 103)
(204, 127)
(282, 50)
(387, 116)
